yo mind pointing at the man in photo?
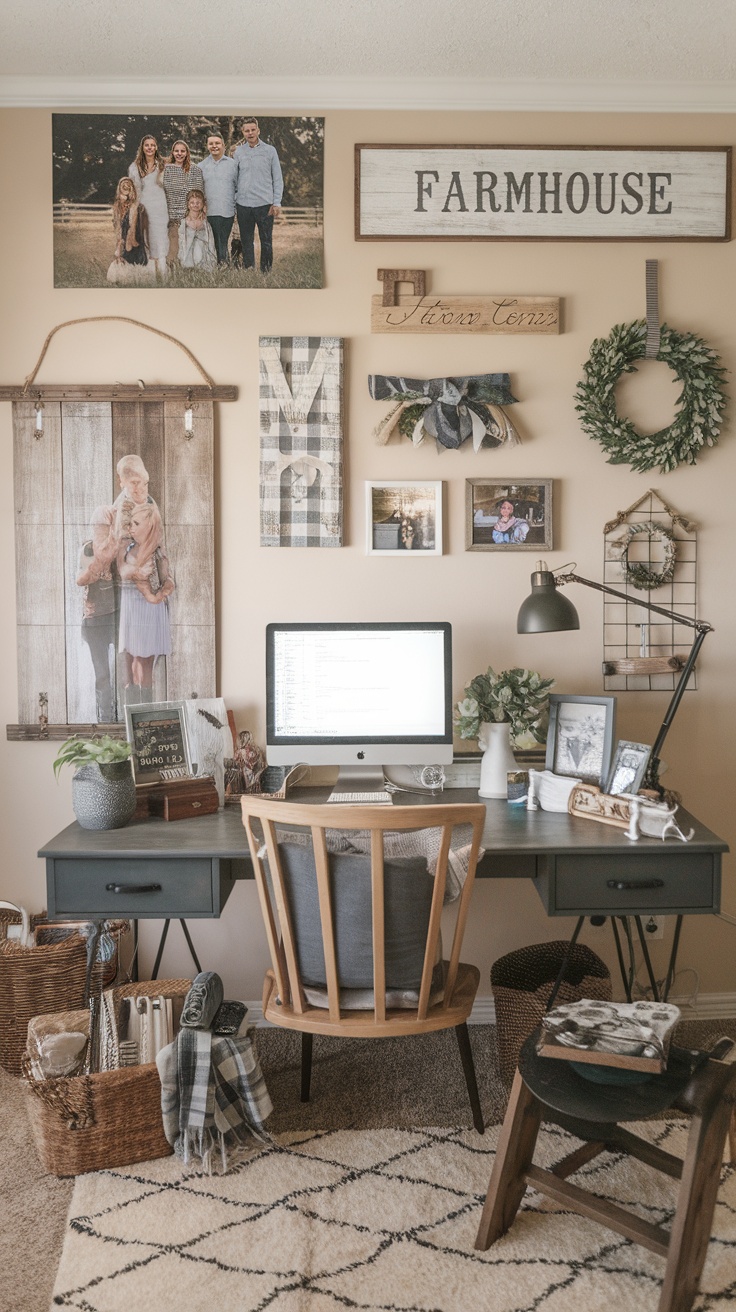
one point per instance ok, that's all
(219, 173)
(260, 187)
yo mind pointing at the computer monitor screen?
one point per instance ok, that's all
(359, 694)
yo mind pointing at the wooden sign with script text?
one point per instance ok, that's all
(466, 314)
(419, 313)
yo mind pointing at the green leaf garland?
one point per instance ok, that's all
(702, 400)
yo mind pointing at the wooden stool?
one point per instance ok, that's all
(547, 1088)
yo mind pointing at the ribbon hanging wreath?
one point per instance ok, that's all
(702, 400)
(449, 409)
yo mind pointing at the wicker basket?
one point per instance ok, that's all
(39, 980)
(92, 1122)
(522, 982)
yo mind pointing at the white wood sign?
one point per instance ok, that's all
(579, 193)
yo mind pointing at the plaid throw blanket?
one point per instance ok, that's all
(213, 1095)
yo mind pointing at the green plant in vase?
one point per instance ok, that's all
(497, 708)
(103, 790)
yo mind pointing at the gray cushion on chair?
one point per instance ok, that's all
(408, 889)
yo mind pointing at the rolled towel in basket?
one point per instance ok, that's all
(202, 1001)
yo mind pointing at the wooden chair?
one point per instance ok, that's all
(549, 1089)
(344, 921)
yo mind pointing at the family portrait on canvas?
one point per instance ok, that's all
(187, 201)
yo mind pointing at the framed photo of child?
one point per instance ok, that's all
(508, 516)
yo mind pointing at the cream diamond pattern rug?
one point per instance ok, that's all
(379, 1221)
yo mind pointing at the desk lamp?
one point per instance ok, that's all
(547, 611)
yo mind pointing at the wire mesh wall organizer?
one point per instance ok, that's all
(650, 553)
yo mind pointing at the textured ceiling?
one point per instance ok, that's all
(626, 40)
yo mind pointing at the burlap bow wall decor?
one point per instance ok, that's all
(451, 410)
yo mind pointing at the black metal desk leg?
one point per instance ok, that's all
(647, 959)
(563, 967)
(190, 945)
(162, 942)
(670, 978)
(160, 952)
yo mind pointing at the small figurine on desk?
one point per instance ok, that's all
(250, 762)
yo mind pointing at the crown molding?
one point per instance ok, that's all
(316, 94)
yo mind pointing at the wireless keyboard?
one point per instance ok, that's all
(360, 799)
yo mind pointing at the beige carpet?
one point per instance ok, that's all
(355, 1084)
(370, 1219)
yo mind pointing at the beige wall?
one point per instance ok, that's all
(602, 284)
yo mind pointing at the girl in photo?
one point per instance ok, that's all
(131, 232)
(507, 527)
(180, 177)
(196, 243)
(146, 585)
(146, 173)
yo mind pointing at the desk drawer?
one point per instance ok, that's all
(681, 882)
(140, 889)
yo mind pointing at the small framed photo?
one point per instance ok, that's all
(629, 767)
(503, 516)
(404, 517)
(581, 735)
(158, 737)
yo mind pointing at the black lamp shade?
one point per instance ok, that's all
(546, 610)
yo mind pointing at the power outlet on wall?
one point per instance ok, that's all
(654, 926)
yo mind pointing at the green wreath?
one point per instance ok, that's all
(702, 399)
(641, 575)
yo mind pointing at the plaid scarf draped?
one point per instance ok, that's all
(213, 1094)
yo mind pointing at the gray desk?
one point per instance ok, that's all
(156, 869)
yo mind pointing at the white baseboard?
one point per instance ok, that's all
(709, 1006)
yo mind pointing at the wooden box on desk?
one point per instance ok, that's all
(177, 799)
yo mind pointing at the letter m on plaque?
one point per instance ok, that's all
(301, 391)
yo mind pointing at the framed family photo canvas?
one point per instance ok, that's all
(580, 737)
(404, 517)
(504, 516)
(188, 200)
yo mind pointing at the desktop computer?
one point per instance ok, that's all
(359, 696)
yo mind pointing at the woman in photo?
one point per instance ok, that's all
(146, 172)
(507, 527)
(180, 177)
(131, 231)
(196, 242)
(146, 585)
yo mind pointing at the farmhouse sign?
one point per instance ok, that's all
(431, 313)
(578, 193)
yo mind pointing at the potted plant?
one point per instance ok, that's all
(496, 708)
(103, 789)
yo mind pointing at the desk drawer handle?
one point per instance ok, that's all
(623, 884)
(133, 888)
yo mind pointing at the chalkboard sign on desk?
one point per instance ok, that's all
(158, 736)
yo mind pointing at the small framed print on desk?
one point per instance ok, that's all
(157, 734)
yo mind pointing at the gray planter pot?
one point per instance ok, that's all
(104, 798)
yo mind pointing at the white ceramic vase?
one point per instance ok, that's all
(497, 760)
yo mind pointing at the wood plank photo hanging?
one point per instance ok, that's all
(301, 395)
(114, 556)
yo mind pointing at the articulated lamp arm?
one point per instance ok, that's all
(544, 612)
